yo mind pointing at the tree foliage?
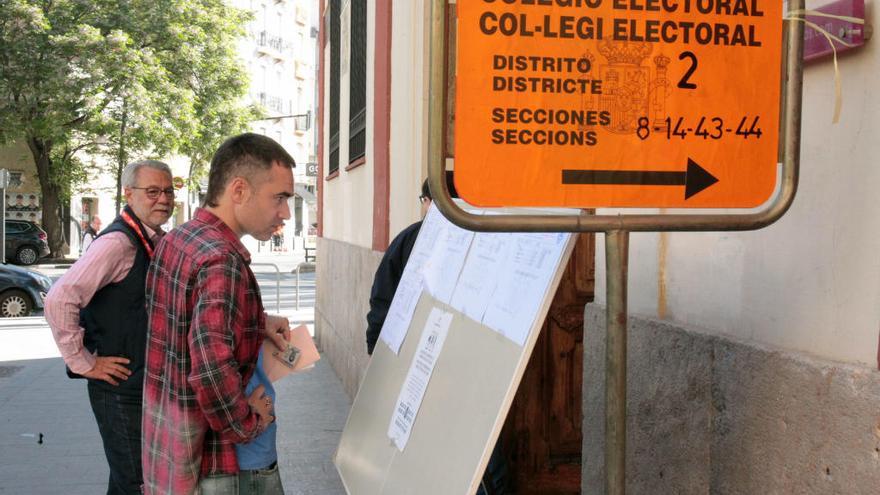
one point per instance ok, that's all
(121, 78)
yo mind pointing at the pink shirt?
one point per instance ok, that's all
(108, 260)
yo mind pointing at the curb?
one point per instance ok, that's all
(51, 265)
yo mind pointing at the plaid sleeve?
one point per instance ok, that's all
(214, 374)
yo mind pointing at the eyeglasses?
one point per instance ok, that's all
(153, 192)
(423, 198)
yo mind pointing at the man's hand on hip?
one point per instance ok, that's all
(109, 369)
(278, 331)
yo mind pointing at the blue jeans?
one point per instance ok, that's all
(247, 482)
(119, 421)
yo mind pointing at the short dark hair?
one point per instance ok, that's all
(450, 184)
(240, 156)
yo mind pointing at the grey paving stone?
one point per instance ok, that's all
(39, 398)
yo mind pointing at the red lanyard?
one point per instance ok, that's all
(137, 228)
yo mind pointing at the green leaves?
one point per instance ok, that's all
(119, 78)
(78, 65)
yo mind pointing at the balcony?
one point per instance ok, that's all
(276, 104)
(271, 46)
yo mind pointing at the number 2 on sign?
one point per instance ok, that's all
(685, 79)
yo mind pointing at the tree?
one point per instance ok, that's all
(218, 83)
(195, 103)
(47, 89)
(149, 115)
(123, 74)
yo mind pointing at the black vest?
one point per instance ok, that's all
(115, 320)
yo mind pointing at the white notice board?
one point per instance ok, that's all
(473, 367)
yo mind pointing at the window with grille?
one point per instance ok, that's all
(335, 10)
(357, 125)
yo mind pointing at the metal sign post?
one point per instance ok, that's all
(616, 272)
(654, 183)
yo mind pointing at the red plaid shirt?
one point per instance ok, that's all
(206, 325)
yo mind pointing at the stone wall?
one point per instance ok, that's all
(343, 281)
(712, 415)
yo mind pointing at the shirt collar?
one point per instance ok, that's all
(206, 217)
(150, 232)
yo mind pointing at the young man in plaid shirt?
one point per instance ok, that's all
(206, 326)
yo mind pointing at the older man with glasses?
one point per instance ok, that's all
(99, 320)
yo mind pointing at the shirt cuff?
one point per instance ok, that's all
(247, 430)
(81, 362)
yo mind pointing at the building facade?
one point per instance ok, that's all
(279, 53)
(23, 196)
(371, 159)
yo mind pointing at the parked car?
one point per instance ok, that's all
(21, 290)
(25, 242)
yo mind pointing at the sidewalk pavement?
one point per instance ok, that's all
(49, 441)
(39, 403)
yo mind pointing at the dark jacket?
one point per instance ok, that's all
(115, 320)
(385, 282)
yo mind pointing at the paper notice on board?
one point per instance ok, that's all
(448, 255)
(416, 382)
(412, 282)
(480, 274)
(432, 227)
(522, 285)
(401, 311)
